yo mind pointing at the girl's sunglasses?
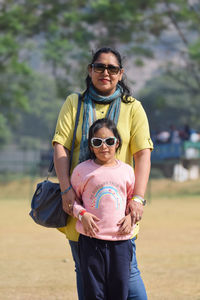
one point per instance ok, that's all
(109, 141)
(100, 68)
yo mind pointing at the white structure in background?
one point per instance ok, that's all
(182, 174)
(193, 172)
(15, 160)
(191, 153)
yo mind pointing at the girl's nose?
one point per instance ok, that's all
(104, 145)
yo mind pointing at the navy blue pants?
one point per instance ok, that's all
(105, 267)
(137, 289)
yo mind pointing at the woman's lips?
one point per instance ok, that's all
(104, 80)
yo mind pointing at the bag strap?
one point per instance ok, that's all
(75, 129)
(51, 166)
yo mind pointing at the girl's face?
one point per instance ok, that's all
(104, 82)
(105, 155)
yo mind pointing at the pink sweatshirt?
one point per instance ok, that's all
(104, 192)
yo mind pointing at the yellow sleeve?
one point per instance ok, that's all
(140, 135)
(65, 123)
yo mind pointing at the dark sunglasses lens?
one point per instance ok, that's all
(99, 68)
(110, 141)
(96, 142)
(113, 70)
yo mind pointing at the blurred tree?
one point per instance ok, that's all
(62, 33)
(39, 120)
(184, 18)
(15, 74)
(167, 102)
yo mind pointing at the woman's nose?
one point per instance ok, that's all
(105, 72)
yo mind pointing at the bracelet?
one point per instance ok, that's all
(139, 199)
(80, 215)
(67, 190)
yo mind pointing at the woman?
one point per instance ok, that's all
(106, 95)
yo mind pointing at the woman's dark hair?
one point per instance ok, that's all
(100, 124)
(125, 89)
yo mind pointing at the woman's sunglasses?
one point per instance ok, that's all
(100, 68)
(98, 142)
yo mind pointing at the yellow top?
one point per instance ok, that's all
(133, 128)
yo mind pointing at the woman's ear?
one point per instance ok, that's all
(90, 70)
(121, 74)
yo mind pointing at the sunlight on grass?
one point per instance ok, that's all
(36, 262)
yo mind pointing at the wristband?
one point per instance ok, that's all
(67, 190)
(80, 215)
(139, 199)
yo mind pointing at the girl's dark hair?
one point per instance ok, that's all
(125, 89)
(100, 124)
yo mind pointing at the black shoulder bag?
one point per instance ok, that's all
(46, 204)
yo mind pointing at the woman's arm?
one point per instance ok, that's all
(61, 163)
(142, 170)
(142, 160)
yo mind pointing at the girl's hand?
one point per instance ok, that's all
(125, 225)
(89, 224)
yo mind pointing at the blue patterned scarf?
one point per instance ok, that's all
(89, 114)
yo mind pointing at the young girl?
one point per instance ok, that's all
(104, 185)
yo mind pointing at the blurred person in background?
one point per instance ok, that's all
(106, 96)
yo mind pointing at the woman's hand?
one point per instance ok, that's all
(68, 200)
(136, 209)
(125, 225)
(89, 224)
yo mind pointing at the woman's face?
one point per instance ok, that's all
(104, 82)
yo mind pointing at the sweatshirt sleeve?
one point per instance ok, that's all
(77, 208)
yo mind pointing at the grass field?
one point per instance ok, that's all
(36, 262)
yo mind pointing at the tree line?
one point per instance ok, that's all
(45, 46)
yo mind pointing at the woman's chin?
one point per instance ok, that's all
(105, 91)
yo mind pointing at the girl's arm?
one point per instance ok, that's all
(126, 223)
(87, 219)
